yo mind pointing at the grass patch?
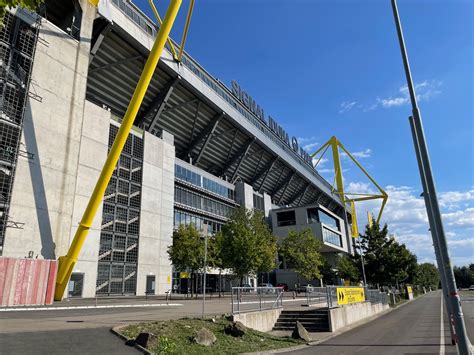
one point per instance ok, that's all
(177, 337)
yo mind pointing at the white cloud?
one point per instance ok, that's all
(366, 153)
(405, 214)
(346, 106)
(425, 91)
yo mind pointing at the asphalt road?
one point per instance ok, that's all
(414, 328)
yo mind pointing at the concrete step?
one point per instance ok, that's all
(309, 329)
(305, 316)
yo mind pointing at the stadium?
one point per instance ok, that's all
(199, 148)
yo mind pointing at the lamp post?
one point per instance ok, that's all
(204, 273)
(431, 202)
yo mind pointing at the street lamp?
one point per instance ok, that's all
(431, 201)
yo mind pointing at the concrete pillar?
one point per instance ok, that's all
(157, 213)
(244, 195)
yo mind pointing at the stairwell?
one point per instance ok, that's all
(314, 320)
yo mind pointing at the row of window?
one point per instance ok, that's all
(202, 224)
(195, 200)
(200, 181)
(315, 215)
(332, 237)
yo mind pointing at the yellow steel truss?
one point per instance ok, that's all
(178, 56)
(67, 262)
(351, 197)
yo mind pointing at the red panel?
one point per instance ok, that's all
(35, 283)
(53, 269)
(3, 276)
(43, 281)
(19, 279)
(25, 283)
(8, 292)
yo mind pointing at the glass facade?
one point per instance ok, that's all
(196, 179)
(258, 203)
(200, 222)
(328, 220)
(331, 237)
(200, 202)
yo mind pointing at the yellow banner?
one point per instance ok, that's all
(347, 295)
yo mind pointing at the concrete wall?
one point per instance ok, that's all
(347, 315)
(156, 215)
(262, 321)
(244, 195)
(44, 186)
(92, 155)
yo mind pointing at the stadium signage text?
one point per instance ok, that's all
(258, 111)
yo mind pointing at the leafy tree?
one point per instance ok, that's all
(386, 260)
(427, 276)
(327, 272)
(301, 250)
(28, 4)
(464, 276)
(246, 244)
(348, 268)
(187, 250)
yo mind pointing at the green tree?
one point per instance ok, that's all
(187, 250)
(328, 273)
(302, 252)
(427, 276)
(464, 276)
(348, 268)
(31, 5)
(387, 262)
(246, 245)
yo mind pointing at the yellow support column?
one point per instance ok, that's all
(66, 263)
(355, 228)
(337, 169)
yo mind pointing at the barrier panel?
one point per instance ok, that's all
(27, 281)
(336, 296)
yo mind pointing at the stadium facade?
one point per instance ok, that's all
(198, 150)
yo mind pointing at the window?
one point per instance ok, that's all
(258, 202)
(331, 237)
(328, 220)
(312, 215)
(287, 218)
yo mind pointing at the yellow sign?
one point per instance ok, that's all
(169, 279)
(347, 295)
(184, 275)
(409, 289)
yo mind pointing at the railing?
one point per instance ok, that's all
(375, 296)
(250, 299)
(328, 296)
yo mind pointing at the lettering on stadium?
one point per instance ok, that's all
(258, 111)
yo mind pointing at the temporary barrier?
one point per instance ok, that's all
(27, 281)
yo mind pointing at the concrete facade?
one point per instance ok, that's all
(156, 215)
(344, 316)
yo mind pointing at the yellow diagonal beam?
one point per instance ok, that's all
(67, 262)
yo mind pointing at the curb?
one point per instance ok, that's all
(62, 308)
(115, 331)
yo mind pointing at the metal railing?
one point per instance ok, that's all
(375, 296)
(327, 296)
(251, 299)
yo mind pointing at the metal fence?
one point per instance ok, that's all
(328, 297)
(249, 299)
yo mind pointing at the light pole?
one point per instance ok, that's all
(204, 274)
(431, 202)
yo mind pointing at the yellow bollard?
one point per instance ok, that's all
(66, 263)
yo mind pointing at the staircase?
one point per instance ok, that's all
(315, 320)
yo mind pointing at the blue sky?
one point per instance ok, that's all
(324, 68)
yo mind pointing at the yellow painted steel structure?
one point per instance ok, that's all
(351, 197)
(67, 262)
(178, 56)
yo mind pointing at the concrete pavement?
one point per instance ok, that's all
(416, 328)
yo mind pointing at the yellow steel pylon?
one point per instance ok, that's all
(67, 262)
(335, 144)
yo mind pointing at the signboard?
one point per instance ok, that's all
(184, 275)
(168, 279)
(410, 292)
(348, 295)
